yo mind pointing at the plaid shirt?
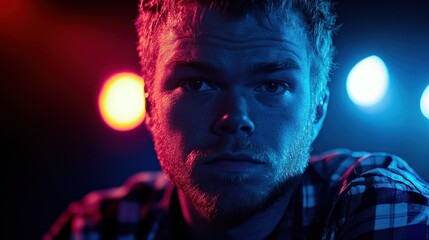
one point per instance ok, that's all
(342, 195)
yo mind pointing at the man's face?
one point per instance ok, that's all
(231, 115)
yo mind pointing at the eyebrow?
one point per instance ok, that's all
(199, 66)
(270, 67)
(262, 67)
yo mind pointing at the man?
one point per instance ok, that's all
(237, 92)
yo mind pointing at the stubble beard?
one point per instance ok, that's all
(238, 206)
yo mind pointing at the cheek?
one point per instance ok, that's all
(281, 126)
(162, 121)
(186, 122)
(192, 121)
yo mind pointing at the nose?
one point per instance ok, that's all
(234, 119)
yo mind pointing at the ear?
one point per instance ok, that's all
(148, 116)
(321, 110)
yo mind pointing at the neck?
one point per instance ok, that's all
(258, 226)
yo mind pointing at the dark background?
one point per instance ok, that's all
(55, 55)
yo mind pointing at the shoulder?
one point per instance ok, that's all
(140, 189)
(112, 207)
(379, 197)
(345, 166)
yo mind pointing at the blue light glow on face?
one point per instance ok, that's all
(424, 102)
(367, 82)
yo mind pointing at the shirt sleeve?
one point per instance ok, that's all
(381, 198)
(62, 227)
(81, 220)
(114, 213)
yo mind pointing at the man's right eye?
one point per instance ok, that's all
(196, 85)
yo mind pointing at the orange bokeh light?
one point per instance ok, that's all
(121, 101)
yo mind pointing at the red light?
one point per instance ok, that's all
(121, 101)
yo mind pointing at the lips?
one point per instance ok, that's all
(230, 158)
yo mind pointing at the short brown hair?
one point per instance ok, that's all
(318, 15)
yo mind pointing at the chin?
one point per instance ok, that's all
(237, 201)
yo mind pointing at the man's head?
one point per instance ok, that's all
(237, 93)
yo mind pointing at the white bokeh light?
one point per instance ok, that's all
(424, 102)
(367, 82)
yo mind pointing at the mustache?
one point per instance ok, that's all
(241, 146)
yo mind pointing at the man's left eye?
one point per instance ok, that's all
(273, 87)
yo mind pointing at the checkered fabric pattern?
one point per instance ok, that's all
(342, 195)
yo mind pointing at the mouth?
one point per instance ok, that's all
(233, 162)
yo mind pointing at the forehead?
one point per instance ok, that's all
(256, 33)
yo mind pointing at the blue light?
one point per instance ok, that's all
(367, 82)
(424, 102)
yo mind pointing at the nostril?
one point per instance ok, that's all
(225, 128)
(247, 129)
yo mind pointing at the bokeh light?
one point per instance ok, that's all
(121, 101)
(424, 102)
(367, 82)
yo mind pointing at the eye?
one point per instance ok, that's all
(276, 87)
(196, 85)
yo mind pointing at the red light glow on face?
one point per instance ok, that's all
(121, 101)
